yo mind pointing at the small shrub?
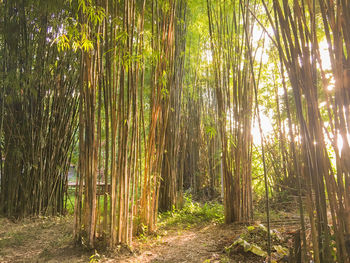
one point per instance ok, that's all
(193, 213)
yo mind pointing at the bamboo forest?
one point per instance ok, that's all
(175, 131)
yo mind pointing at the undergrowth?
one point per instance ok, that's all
(192, 213)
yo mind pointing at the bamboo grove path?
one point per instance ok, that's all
(199, 244)
(50, 240)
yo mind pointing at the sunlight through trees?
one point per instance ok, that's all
(244, 102)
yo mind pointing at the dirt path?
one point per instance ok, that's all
(50, 240)
(201, 244)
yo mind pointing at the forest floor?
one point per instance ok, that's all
(49, 239)
(196, 244)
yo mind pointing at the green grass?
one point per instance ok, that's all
(12, 239)
(192, 213)
(69, 201)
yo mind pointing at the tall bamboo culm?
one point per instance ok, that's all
(234, 94)
(123, 117)
(38, 109)
(326, 193)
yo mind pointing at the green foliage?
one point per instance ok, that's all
(193, 213)
(95, 14)
(248, 247)
(77, 36)
(210, 127)
(211, 131)
(69, 201)
(253, 240)
(95, 257)
(257, 175)
(143, 232)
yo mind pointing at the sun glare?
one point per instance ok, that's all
(258, 35)
(330, 87)
(207, 56)
(340, 142)
(326, 61)
(266, 126)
